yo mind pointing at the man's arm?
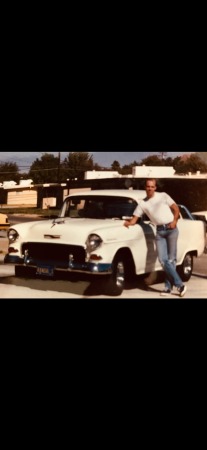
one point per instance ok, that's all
(132, 221)
(176, 212)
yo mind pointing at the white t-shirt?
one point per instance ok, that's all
(157, 208)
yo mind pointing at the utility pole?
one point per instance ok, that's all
(163, 155)
(58, 177)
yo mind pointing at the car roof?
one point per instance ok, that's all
(134, 194)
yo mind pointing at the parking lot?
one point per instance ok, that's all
(18, 288)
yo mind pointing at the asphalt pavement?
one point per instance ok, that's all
(19, 288)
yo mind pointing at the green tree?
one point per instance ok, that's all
(179, 165)
(169, 161)
(9, 172)
(158, 160)
(191, 164)
(96, 166)
(24, 176)
(45, 169)
(127, 168)
(115, 166)
(202, 156)
(76, 164)
(153, 160)
(194, 163)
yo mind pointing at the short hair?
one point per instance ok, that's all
(151, 179)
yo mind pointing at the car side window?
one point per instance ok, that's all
(93, 210)
(120, 208)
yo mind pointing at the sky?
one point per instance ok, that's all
(25, 159)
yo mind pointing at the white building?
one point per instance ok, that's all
(96, 175)
(153, 171)
(137, 172)
(26, 182)
(9, 184)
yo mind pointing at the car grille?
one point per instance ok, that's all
(58, 252)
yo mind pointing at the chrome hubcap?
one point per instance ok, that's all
(187, 267)
(120, 274)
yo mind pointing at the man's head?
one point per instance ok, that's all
(150, 186)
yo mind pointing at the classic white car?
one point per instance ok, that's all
(4, 222)
(89, 237)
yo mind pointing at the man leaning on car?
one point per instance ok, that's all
(163, 213)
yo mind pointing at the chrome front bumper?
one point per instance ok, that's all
(87, 267)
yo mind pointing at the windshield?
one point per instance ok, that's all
(95, 207)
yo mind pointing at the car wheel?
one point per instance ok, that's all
(116, 280)
(186, 268)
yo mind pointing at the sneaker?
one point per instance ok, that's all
(182, 290)
(165, 293)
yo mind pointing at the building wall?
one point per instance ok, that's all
(95, 174)
(153, 171)
(22, 197)
(190, 191)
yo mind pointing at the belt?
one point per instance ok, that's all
(162, 227)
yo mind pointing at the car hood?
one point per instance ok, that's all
(70, 231)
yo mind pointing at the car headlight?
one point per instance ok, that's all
(93, 242)
(12, 235)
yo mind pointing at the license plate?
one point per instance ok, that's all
(45, 271)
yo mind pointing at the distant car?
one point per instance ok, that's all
(89, 237)
(4, 222)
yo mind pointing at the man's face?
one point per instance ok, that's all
(150, 188)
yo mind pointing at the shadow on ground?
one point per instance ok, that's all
(79, 285)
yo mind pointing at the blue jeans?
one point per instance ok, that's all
(166, 243)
